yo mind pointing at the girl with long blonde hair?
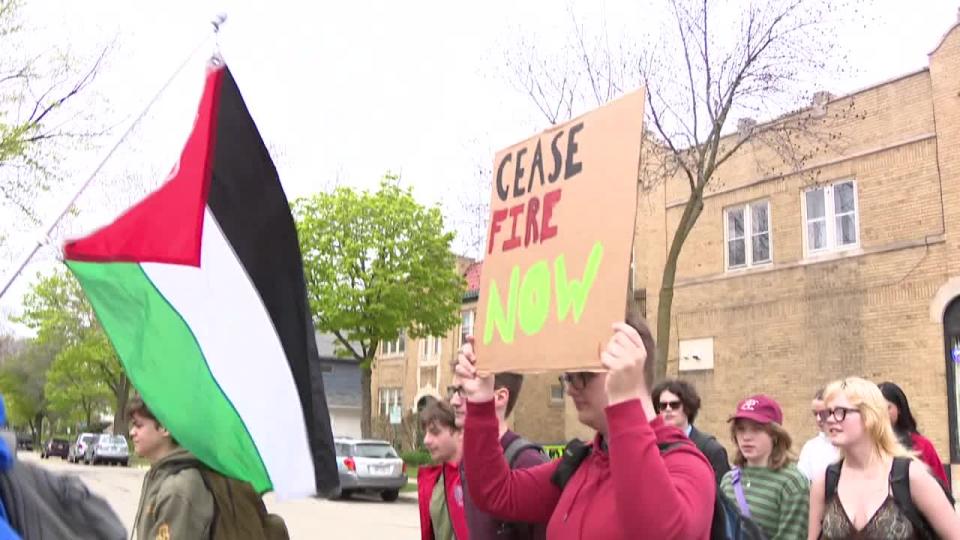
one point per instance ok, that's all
(861, 499)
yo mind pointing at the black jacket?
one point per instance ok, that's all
(715, 452)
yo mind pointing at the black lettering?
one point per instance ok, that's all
(502, 191)
(517, 188)
(537, 165)
(557, 157)
(573, 167)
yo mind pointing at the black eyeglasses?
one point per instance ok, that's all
(454, 390)
(675, 405)
(576, 379)
(837, 413)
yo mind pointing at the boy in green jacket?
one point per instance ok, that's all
(174, 502)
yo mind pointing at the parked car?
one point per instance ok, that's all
(24, 441)
(79, 447)
(371, 466)
(107, 449)
(55, 447)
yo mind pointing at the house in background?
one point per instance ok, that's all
(341, 384)
(408, 372)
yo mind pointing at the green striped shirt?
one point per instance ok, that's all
(779, 500)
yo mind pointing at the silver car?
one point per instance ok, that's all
(79, 447)
(107, 449)
(371, 466)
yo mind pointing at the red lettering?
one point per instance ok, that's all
(498, 217)
(549, 201)
(514, 241)
(533, 206)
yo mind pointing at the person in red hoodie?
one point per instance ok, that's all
(439, 490)
(905, 426)
(626, 487)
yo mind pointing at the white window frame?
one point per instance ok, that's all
(431, 349)
(395, 348)
(554, 400)
(830, 216)
(393, 395)
(747, 234)
(471, 316)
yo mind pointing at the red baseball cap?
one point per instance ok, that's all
(759, 408)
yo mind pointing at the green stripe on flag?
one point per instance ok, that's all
(166, 364)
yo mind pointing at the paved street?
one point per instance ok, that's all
(358, 519)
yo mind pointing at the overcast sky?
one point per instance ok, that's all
(345, 91)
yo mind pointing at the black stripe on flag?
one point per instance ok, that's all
(248, 202)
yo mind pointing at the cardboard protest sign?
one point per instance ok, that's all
(557, 260)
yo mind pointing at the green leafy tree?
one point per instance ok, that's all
(58, 311)
(75, 389)
(22, 382)
(378, 265)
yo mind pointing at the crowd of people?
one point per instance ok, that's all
(650, 473)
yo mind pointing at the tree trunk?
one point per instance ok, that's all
(120, 413)
(366, 425)
(36, 429)
(691, 212)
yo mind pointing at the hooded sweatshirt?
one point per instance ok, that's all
(174, 502)
(627, 490)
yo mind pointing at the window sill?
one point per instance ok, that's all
(819, 259)
(748, 268)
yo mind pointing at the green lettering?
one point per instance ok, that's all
(505, 323)
(535, 298)
(574, 293)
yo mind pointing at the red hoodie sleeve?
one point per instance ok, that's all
(669, 496)
(928, 455)
(510, 495)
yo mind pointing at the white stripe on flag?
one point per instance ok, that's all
(236, 334)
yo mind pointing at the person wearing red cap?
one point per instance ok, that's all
(765, 483)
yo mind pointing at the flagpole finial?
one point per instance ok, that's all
(218, 21)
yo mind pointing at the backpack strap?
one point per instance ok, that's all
(517, 447)
(735, 476)
(573, 455)
(831, 480)
(900, 485)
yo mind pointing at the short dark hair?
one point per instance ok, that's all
(139, 408)
(513, 382)
(640, 325)
(440, 413)
(136, 406)
(682, 389)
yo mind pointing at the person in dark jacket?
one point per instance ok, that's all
(174, 500)
(678, 402)
(519, 455)
(38, 504)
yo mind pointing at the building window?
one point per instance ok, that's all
(466, 325)
(556, 394)
(831, 218)
(395, 347)
(389, 397)
(748, 235)
(430, 348)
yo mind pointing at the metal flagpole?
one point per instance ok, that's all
(43, 235)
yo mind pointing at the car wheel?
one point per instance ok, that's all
(125, 463)
(390, 495)
(345, 494)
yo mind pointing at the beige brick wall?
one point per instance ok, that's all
(792, 326)
(535, 415)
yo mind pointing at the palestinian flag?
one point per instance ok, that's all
(200, 288)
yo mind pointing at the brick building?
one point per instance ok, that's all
(848, 266)
(408, 371)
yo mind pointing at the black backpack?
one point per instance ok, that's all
(900, 485)
(728, 523)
